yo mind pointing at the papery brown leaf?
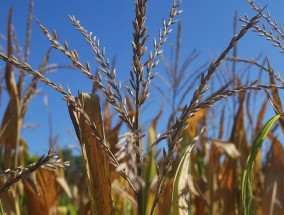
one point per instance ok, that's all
(274, 90)
(227, 148)
(111, 132)
(213, 168)
(260, 117)
(250, 98)
(194, 121)
(9, 139)
(165, 202)
(239, 133)
(276, 101)
(9, 201)
(277, 151)
(228, 185)
(63, 183)
(183, 186)
(107, 118)
(212, 172)
(47, 187)
(228, 182)
(200, 202)
(212, 175)
(95, 157)
(111, 138)
(273, 195)
(9, 75)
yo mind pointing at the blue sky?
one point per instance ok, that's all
(207, 27)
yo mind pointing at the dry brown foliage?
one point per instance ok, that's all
(123, 173)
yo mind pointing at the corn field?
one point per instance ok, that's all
(209, 157)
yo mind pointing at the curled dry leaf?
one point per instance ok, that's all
(41, 203)
(228, 148)
(63, 183)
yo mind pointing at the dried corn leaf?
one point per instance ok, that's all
(275, 101)
(239, 131)
(164, 205)
(213, 168)
(9, 75)
(228, 186)
(9, 202)
(274, 90)
(95, 158)
(229, 182)
(111, 132)
(229, 148)
(62, 182)
(41, 203)
(272, 198)
(9, 139)
(181, 188)
(194, 121)
(260, 117)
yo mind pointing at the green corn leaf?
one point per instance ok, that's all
(246, 183)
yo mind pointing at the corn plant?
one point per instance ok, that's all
(125, 174)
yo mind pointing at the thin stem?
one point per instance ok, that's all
(139, 38)
(138, 144)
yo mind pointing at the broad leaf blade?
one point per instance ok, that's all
(95, 158)
(181, 194)
(41, 200)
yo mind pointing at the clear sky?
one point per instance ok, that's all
(207, 27)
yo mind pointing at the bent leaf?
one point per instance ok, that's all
(229, 148)
(41, 200)
(246, 182)
(180, 194)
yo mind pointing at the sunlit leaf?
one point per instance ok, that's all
(9, 139)
(97, 167)
(40, 202)
(181, 192)
(63, 183)
(246, 182)
(229, 148)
